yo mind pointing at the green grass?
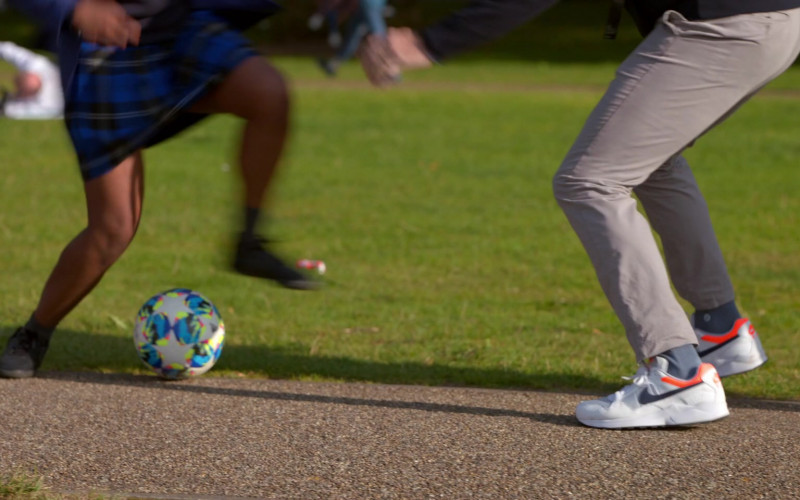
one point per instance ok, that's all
(22, 485)
(448, 260)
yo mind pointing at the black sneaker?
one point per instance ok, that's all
(23, 354)
(253, 259)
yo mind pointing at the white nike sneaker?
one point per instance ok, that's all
(736, 351)
(657, 399)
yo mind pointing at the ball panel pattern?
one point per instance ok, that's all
(179, 333)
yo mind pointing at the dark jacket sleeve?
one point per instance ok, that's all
(240, 14)
(54, 16)
(477, 23)
(51, 14)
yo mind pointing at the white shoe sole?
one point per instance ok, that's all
(702, 402)
(733, 359)
(726, 368)
(673, 416)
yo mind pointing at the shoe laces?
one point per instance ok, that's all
(640, 376)
(638, 380)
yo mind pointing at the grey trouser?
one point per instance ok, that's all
(683, 79)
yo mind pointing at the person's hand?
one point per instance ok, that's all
(105, 22)
(408, 48)
(379, 62)
(384, 59)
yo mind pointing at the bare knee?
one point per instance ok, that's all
(253, 90)
(274, 98)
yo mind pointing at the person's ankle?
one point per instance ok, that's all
(42, 332)
(683, 361)
(717, 320)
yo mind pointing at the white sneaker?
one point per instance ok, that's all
(736, 351)
(657, 399)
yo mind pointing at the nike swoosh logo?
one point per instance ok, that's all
(718, 346)
(645, 397)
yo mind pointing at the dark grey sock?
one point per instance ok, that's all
(251, 216)
(717, 320)
(44, 332)
(683, 361)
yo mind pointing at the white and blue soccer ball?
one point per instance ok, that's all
(179, 334)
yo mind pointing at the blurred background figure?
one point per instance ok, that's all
(366, 18)
(37, 93)
(330, 13)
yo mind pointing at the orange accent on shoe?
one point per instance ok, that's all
(718, 339)
(698, 377)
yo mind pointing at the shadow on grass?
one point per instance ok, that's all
(81, 351)
(90, 354)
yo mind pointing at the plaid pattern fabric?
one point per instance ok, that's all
(124, 100)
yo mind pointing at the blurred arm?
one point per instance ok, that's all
(22, 59)
(30, 109)
(479, 22)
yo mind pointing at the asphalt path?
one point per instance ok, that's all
(139, 437)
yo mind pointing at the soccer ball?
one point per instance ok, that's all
(178, 333)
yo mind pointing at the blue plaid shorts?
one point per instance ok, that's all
(124, 100)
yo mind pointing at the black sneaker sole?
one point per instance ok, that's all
(295, 284)
(301, 285)
(17, 373)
